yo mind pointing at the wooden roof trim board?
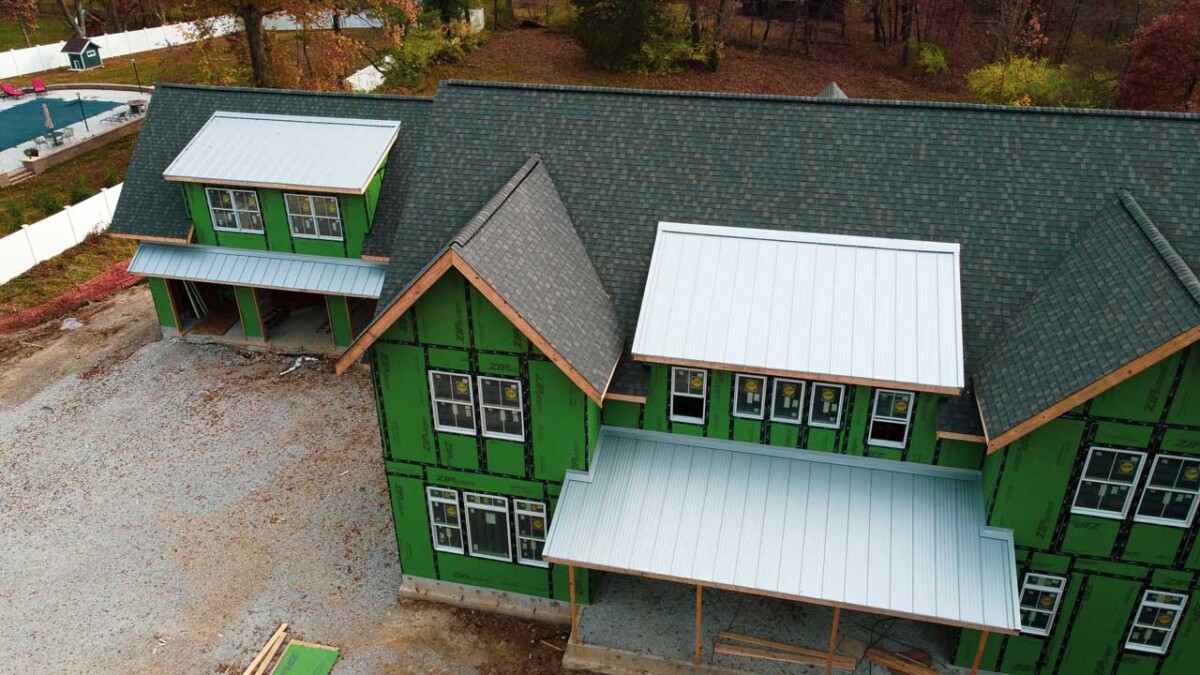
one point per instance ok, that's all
(628, 398)
(142, 237)
(376, 258)
(820, 377)
(1147, 360)
(956, 436)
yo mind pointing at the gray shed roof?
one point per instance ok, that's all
(260, 269)
(896, 538)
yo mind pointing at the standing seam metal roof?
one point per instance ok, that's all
(878, 535)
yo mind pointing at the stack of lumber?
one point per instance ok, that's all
(777, 651)
(299, 658)
(902, 664)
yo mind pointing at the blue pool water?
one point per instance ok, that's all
(26, 121)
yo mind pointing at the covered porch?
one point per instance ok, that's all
(732, 557)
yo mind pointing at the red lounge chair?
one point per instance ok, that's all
(12, 93)
(39, 85)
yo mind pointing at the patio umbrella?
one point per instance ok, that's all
(49, 120)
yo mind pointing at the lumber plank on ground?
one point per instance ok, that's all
(839, 662)
(898, 662)
(275, 638)
(781, 646)
(262, 667)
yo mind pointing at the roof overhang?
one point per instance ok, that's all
(260, 269)
(873, 535)
(858, 310)
(285, 152)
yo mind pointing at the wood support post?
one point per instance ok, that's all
(837, 615)
(979, 653)
(699, 620)
(574, 607)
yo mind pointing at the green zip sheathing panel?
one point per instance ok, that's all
(1037, 469)
(1185, 649)
(622, 414)
(372, 194)
(405, 413)
(411, 517)
(1141, 397)
(162, 302)
(718, 422)
(339, 320)
(1087, 535)
(441, 314)
(1186, 401)
(556, 422)
(248, 310)
(1155, 544)
(506, 457)
(960, 454)
(493, 331)
(1095, 642)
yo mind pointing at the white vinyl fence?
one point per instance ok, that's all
(46, 238)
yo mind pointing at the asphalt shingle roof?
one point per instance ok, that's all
(151, 206)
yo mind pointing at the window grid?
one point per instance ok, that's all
(749, 396)
(1040, 598)
(1108, 472)
(501, 409)
(787, 401)
(453, 402)
(444, 519)
(691, 386)
(234, 210)
(830, 398)
(897, 407)
(531, 532)
(1172, 488)
(314, 216)
(491, 508)
(1155, 622)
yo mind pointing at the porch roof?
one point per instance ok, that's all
(874, 535)
(260, 269)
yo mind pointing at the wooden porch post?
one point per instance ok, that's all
(837, 615)
(979, 653)
(574, 608)
(699, 620)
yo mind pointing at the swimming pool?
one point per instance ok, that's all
(26, 121)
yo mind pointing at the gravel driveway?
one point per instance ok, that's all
(165, 512)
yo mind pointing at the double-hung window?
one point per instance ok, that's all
(1171, 492)
(1106, 487)
(313, 216)
(234, 210)
(1155, 622)
(750, 396)
(453, 402)
(890, 415)
(787, 401)
(531, 532)
(500, 405)
(825, 408)
(688, 389)
(444, 519)
(1040, 597)
(487, 526)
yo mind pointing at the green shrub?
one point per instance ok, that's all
(630, 35)
(110, 178)
(1023, 81)
(424, 46)
(48, 203)
(79, 191)
(929, 57)
(16, 213)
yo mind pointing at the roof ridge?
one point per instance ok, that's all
(1186, 276)
(476, 223)
(294, 92)
(817, 100)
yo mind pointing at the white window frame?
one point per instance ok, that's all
(1157, 520)
(467, 506)
(737, 390)
(907, 421)
(520, 409)
(433, 401)
(841, 405)
(1036, 581)
(430, 498)
(703, 396)
(313, 206)
(237, 213)
(1099, 513)
(1137, 612)
(520, 508)
(802, 388)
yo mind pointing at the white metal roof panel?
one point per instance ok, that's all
(260, 269)
(285, 151)
(872, 534)
(848, 308)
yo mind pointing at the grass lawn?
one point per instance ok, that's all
(49, 30)
(56, 276)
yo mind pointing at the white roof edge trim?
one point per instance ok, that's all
(810, 237)
(349, 121)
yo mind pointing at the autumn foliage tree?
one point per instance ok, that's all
(1164, 63)
(24, 13)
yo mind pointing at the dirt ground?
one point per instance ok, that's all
(164, 506)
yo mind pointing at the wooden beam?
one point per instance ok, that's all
(898, 663)
(837, 615)
(142, 237)
(699, 621)
(955, 436)
(841, 662)
(574, 608)
(376, 258)
(801, 375)
(629, 398)
(1124, 372)
(979, 653)
(275, 638)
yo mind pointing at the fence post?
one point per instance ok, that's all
(29, 242)
(71, 223)
(108, 207)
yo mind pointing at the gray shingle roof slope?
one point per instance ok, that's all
(1119, 292)
(1012, 186)
(150, 206)
(523, 244)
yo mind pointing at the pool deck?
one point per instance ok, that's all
(10, 158)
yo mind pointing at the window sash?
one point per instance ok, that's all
(757, 388)
(1084, 481)
(795, 400)
(484, 504)
(507, 414)
(533, 512)
(1187, 465)
(690, 375)
(449, 499)
(890, 418)
(818, 389)
(246, 217)
(435, 399)
(1140, 630)
(308, 221)
(1044, 586)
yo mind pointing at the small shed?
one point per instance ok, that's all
(82, 54)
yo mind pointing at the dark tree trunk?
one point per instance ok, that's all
(906, 21)
(74, 14)
(256, 40)
(694, 21)
(337, 22)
